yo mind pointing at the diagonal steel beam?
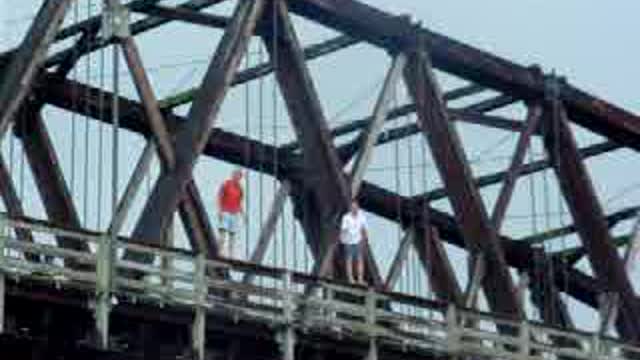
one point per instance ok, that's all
(14, 205)
(18, 76)
(380, 112)
(53, 189)
(399, 260)
(191, 139)
(268, 228)
(137, 27)
(191, 208)
(436, 263)
(242, 151)
(390, 32)
(480, 235)
(587, 213)
(509, 184)
(527, 169)
(310, 53)
(326, 191)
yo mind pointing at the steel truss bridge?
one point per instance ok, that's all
(100, 293)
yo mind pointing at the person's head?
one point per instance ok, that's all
(237, 175)
(354, 206)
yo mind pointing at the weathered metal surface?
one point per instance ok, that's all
(479, 234)
(509, 184)
(327, 193)
(192, 138)
(257, 156)
(12, 202)
(588, 215)
(25, 62)
(395, 33)
(54, 191)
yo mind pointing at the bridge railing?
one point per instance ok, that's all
(282, 299)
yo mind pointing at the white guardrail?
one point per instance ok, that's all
(288, 300)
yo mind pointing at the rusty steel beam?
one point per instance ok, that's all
(326, 190)
(13, 205)
(527, 169)
(137, 27)
(242, 151)
(436, 263)
(545, 294)
(448, 154)
(500, 208)
(588, 215)
(47, 173)
(191, 208)
(28, 58)
(395, 270)
(191, 139)
(185, 15)
(395, 33)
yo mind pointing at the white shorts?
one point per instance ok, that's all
(228, 222)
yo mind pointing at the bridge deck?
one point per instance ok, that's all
(289, 308)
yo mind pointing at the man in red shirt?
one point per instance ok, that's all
(230, 196)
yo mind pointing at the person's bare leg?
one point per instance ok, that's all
(222, 244)
(360, 269)
(349, 267)
(231, 239)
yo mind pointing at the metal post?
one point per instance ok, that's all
(287, 338)
(453, 336)
(104, 286)
(370, 303)
(524, 340)
(199, 323)
(3, 233)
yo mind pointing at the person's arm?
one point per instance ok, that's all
(220, 195)
(365, 232)
(343, 227)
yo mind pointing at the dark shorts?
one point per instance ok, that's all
(351, 251)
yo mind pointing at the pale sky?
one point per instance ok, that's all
(591, 43)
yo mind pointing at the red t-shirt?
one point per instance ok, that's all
(230, 197)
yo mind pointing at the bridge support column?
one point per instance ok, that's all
(104, 271)
(199, 326)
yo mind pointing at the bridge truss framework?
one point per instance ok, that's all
(312, 167)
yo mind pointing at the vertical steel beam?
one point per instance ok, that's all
(325, 188)
(588, 216)
(191, 138)
(18, 76)
(380, 112)
(42, 158)
(13, 204)
(478, 232)
(500, 208)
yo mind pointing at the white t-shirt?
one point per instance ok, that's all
(351, 227)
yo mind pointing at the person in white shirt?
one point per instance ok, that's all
(353, 230)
